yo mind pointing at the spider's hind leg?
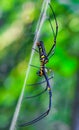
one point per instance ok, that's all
(39, 117)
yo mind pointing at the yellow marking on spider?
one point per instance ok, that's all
(41, 69)
(41, 73)
(49, 88)
(42, 56)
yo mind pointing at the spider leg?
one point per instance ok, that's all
(41, 116)
(38, 83)
(38, 94)
(38, 66)
(55, 20)
(35, 50)
(35, 120)
(55, 34)
(34, 66)
(52, 49)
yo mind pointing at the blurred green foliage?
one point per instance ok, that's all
(18, 19)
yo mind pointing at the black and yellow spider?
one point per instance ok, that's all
(44, 58)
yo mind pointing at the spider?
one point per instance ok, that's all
(44, 58)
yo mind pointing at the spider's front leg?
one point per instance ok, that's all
(51, 52)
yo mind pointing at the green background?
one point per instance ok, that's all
(18, 20)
